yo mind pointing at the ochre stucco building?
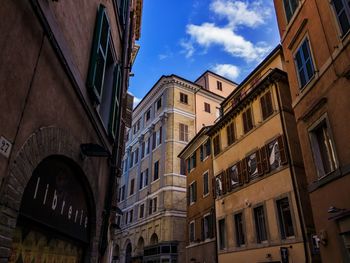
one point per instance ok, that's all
(315, 36)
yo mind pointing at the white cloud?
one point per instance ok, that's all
(209, 34)
(241, 13)
(237, 14)
(227, 70)
(187, 48)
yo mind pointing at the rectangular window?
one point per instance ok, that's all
(342, 11)
(182, 167)
(206, 107)
(154, 140)
(304, 64)
(266, 105)
(191, 232)
(206, 183)
(222, 234)
(260, 224)
(143, 152)
(230, 130)
(183, 98)
(216, 144)
(323, 149)
(148, 115)
(247, 120)
(193, 161)
(219, 85)
(159, 136)
(122, 191)
(143, 179)
(131, 160)
(152, 207)
(183, 132)
(156, 171)
(132, 184)
(207, 148)
(290, 6)
(253, 165)
(193, 192)
(207, 227)
(142, 210)
(159, 103)
(148, 145)
(233, 176)
(285, 218)
(131, 215)
(276, 153)
(136, 156)
(240, 237)
(154, 204)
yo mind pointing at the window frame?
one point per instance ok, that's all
(158, 103)
(288, 20)
(219, 85)
(183, 132)
(154, 170)
(247, 126)
(238, 243)
(316, 155)
(280, 220)
(206, 184)
(216, 145)
(266, 111)
(184, 98)
(132, 187)
(193, 192)
(296, 51)
(142, 215)
(207, 107)
(258, 238)
(230, 133)
(222, 239)
(346, 9)
(192, 234)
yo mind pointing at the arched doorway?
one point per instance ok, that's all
(139, 251)
(128, 252)
(54, 217)
(154, 239)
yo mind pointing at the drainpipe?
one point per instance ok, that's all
(296, 189)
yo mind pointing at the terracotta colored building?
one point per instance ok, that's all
(315, 36)
(152, 192)
(64, 72)
(200, 238)
(262, 211)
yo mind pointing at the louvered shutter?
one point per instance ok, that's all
(240, 173)
(201, 152)
(259, 163)
(228, 179)
(114, 116)
(213, 187)
(264, 159)
(98, 55)
(282, 150)
(223, 182)
(244, 167)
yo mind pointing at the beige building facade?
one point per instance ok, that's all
(152, 192)
(259, 176)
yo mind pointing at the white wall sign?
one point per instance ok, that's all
(5, 147)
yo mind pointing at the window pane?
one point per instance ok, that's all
(240, 239)
(261, 234)
(285, 218)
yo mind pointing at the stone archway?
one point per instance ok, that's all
(45, 142)
(154, 239)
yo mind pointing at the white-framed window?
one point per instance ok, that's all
(206, 183)
(143, 179)
(191, 231)
(323, 147)
(260, 224)
(193, 192)
(132, 186)
(142, 211)
(289, 7)
(183, 132)
(304, 64)
(342, 11)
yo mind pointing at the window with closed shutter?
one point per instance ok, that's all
(230, 130)
(183, 132)
(266, 105)
(206, 107)
(304, 64)
(247, 120)
(216, 144)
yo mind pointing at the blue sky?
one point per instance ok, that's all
(188, 37)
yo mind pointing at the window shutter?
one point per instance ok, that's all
(213, 187)
(245, 174)
(223, 181)
(188, 165)
(195, 191)
(249, 119)
(282, 150)
(201, 152)
(264, 161)
(98, 55)
(181, 132)
(114, 116)
(202, 229)
(194, 156)
(259, 163)
(228, 180)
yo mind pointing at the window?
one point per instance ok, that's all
(136, 155)
(142, 211)
(207, 227)
(205, 150)
(136, 126)
(122, 6)
(182, 167)
(156, 171)
(260, 225)
(131, 215)
(218, 185)
(240, 237)
(183, 98)
(191, 162)
(148, 144)
(276, 153)
(233, 176)
(192, 189)
(143, 179)
(219, 85)
(247, 120)
(266, 105)
(132, 184)
(159, 103)
(290, 6)
(183, 132)
(303, 62)
(191, 232)
(131, 160)
(206, 107)
(342, 11)
(323, 148)
(285, 218)
(159, 136)
(253, 165)
(154, 140)
(152, 205)
(104, 81)
(216, 143)
(222, 234)
(122, 193)
(230, 130)
(143, 152)
(206, 183)
(148, 115)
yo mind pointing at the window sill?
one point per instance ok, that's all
(206, 195)
(154, 181)
(336, 174)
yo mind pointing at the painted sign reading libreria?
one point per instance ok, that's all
(56, 198)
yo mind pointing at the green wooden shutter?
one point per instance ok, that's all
(114, 116)
(98, 55)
